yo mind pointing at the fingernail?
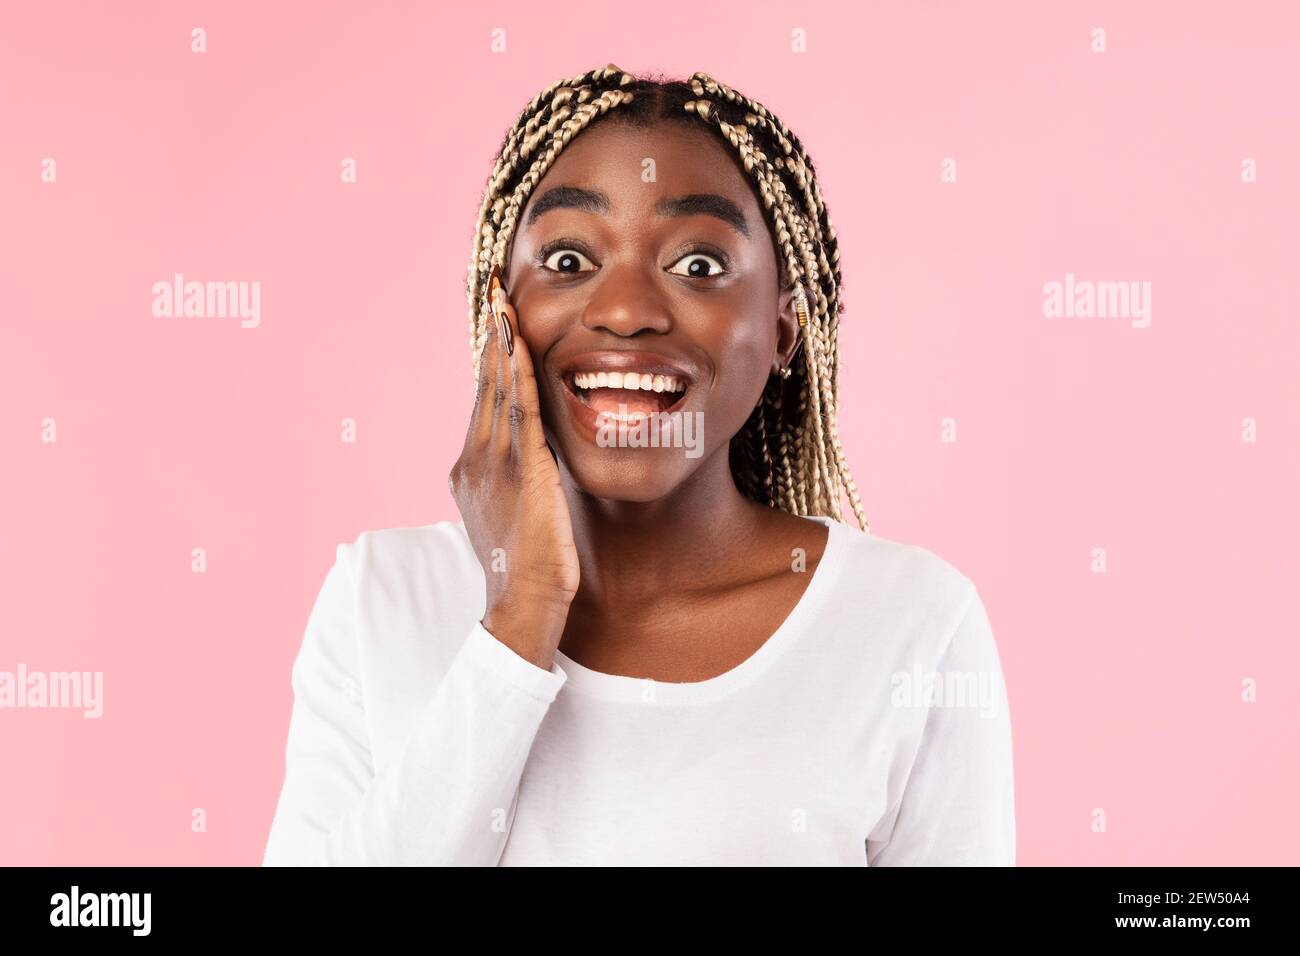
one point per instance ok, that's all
(509, 333)
(496, 292)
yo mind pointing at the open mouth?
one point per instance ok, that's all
(629, 394)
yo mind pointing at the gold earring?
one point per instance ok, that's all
(801, 304)
(800, 299)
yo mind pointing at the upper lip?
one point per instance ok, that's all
(626, 360)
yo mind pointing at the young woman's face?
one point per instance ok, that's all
(644, 252)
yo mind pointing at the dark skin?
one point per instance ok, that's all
(644, 562)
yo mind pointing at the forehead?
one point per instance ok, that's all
(613, 156)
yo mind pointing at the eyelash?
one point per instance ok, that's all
(573, 245)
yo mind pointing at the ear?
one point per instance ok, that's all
(787, 330)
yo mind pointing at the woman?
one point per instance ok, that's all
(652, 639)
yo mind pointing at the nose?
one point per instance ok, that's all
(627, 301)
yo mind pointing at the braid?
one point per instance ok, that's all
(788, 453)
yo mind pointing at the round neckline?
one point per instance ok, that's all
(645, 690)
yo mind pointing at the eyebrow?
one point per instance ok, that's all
(593, 200)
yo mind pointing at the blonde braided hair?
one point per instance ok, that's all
(788, 453)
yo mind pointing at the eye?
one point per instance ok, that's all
(566, 261)
(697, 266)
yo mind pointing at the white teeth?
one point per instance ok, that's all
(628, 380)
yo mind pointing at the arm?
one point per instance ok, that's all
(449, 797)
(958, 805)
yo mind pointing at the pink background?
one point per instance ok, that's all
(1072, 434)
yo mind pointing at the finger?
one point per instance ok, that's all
(480, 429)
(529, 435)
(505, 379)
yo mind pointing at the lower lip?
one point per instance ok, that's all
(589, 420)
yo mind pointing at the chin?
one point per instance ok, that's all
(625, 474)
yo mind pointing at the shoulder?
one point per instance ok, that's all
(440, 550)
(415, 575)
(892, 589)
(900, 573)
(394, 610)
(405, 598)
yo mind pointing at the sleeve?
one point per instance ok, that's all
(449, 797)
(958, 805)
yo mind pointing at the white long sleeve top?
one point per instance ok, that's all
(871, 729)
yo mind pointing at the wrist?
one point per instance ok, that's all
(532, 632)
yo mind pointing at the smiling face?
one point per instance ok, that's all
(670, 286)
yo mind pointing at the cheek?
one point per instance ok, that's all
(541, 325)
(741, 349)
(542, 322)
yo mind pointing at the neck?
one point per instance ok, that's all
(632, 553)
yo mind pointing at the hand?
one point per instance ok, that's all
(507, 487)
